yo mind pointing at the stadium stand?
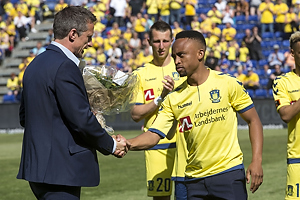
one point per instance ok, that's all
(11, 64)
(21, 50)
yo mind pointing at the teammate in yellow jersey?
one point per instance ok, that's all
(152, 90)
(286, 95)
(205, 107)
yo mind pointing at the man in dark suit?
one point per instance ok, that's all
(61, 133)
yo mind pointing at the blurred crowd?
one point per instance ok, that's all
(246, 38)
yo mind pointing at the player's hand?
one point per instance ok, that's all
(168, 86)
(256, 172)
(121, 148)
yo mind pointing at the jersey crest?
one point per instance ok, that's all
(176, 76)
(149, 94)
(215, 96)
(186, 124)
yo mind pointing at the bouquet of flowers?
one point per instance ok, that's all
(110, 91)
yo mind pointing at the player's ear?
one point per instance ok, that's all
(200, 54)
(292, 52)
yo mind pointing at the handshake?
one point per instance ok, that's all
(122, 146)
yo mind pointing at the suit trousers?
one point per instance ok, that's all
(43, 191)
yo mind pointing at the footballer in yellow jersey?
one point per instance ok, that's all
(286, 95)
(201, 109)
(286, 92)
(150, 87)
(156, 80)
(205, 107)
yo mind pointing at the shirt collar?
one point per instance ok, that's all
(67, 52)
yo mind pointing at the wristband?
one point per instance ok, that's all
(157, 101)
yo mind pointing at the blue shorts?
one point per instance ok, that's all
(180, 191)
(228, 186)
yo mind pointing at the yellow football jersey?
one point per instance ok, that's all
(286, 91)
(207, 118)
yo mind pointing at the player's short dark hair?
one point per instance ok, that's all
(160, 26)
(193, 35)
(72, 17)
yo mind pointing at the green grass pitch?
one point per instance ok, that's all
(125, 178)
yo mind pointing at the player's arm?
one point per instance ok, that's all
(287, 113)
(143, 141)
(256, 138)
(139, 112)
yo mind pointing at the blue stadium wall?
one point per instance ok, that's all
(9, 118)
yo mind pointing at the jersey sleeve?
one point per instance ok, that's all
(164, 121)
(280, 94)
(139, 98)
(238, 96)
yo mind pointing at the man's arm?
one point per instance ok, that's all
(287, 113)
(256, 139)
(140, 112)
(121, 146)
(143, 141)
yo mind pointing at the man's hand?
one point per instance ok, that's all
(168, 86)
(121, 148)
(256, 173)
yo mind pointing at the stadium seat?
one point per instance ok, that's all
(123, 28)
(240, 19)
(266, 53)
(90, 4)
(264, 82)
(107, 29)
(221, 26)
(242, 27)
(253, 19)
(250, 92)
(254, 63)
(270, 92)
(182, 11)
(239, 28)
(203, 10)
(212, 1)
(267, 35)
(202, 1)
(104, 21)
(261, 93)
(278, 35)
(119, 65)
(265, 45)
(262, 62)
(239, 36)
(286, 43)
(51, 5)
(247, 26)
(273, 42)
(260, 72)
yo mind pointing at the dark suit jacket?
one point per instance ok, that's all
(61, 133)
